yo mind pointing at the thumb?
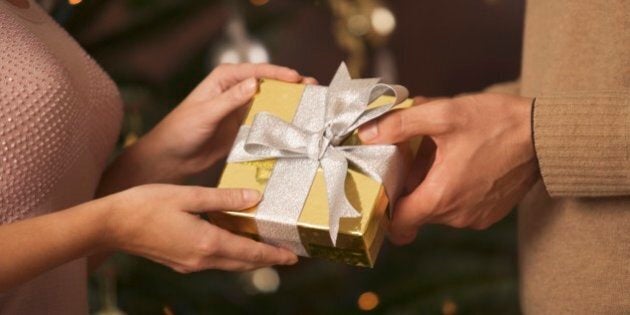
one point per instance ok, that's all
(429, 119)
(234, 98)
(202, 199)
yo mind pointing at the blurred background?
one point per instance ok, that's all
(157, 51)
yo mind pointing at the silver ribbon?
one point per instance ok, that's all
(324, 118)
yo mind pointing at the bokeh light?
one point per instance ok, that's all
(383, 21)
(358, 25)
(368, 301)
(265, 280)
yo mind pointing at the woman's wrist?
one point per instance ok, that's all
(140, 163)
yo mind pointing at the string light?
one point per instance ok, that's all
(368, 301)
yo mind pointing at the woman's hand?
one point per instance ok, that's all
(476, 163)
(198, 132)
(160, 222)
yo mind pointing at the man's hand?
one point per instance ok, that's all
(476, 163)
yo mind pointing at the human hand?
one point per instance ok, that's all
(476, 162)
(201, 129)
(160, 222)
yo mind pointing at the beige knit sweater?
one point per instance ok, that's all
(574, 226)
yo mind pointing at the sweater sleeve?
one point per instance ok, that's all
(582, 143)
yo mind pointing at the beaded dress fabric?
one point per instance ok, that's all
(60, 115)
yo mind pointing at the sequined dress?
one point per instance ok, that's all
(60, 115)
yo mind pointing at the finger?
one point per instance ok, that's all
(407, 219)
(422, 164)
(202, 199)
(430, 119)
(454, 219)
(241, 248)
(398, 238)
(211, 263)
(414, 210)
(230, 264)
(225, 76)
(310, 80)
(234, 98)
(419, 100)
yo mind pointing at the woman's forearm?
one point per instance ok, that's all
(33, 246)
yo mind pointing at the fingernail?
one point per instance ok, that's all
(293, 260)
(251, 195)
(368, 132)
(250, 85)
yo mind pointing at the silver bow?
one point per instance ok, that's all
(324, 118)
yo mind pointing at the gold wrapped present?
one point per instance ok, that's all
(359, 238)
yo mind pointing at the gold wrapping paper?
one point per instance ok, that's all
(359, 239)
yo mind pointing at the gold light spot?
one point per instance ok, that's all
(130, 139)
(259, 2)
(368, 301)
(449, 307)
(74, 2)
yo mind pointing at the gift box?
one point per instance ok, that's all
(308, 226)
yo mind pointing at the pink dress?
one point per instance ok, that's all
(60, 115)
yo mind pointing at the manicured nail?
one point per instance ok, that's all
(251, 195)
(369, 132)
(250, 85)
(293, 260)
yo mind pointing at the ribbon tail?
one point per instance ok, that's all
(386, 164)
(335, 169)
(284, 197)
